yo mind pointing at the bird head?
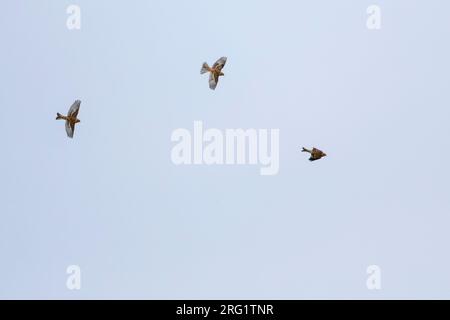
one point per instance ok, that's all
(78, 120)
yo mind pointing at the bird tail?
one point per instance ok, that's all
(305, 150)
(205, 68)
(59, 116)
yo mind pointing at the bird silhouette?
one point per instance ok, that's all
(71, 118)
(316, 154)
(214, 72)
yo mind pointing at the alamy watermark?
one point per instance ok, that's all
(374, 18)
(374, 280)
(229, 146)
(74, 19)
(74, 279)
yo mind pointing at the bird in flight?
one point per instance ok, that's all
(214, 72)
(316, 154)
(71, 118)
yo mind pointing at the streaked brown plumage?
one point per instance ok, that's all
(215, 71)
(316, 154)
(71, 118)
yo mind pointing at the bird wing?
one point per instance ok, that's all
(219, 64)
(73, 111)
(213, 79)
(70, 128)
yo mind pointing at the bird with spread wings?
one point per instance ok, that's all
(214, 72)
(71, 118)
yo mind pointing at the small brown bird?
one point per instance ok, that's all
(316, 154)
(215, 71)
(71, 118)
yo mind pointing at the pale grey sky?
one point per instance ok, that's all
(112, 201)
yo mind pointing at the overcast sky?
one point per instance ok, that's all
(112, 201)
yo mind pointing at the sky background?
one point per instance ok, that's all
(112, 201)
